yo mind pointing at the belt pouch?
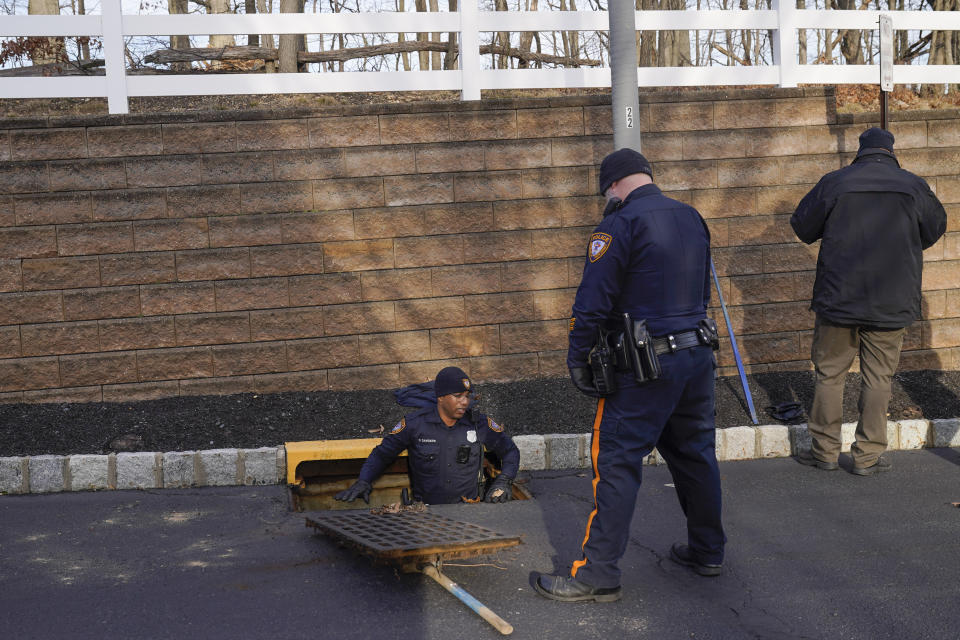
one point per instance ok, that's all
(708, 334)
(630, 350)
(645, 350)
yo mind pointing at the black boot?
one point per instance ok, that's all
(567, 589)
(681, 554)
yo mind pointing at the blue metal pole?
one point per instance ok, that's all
(733, 342)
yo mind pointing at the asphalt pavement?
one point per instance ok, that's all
(811, 554)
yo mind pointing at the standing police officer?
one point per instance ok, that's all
(445, 443)
(649, 259)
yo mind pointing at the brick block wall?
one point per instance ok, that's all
(155, 255)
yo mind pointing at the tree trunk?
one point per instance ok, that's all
(674, 46)
(503, 37)
(746, 36)
(423, 36)
(850, 40)
(941, 49)
(166, 56)
(266, 39)
(250, 8)
(574, 36)
(450, 57)
(289, 42)
(402, 37)
(84, 42)
(52, 51)
(219, 40)
(526, 38)
(647, 44)
(802, 47)
(179, 42)
(435, 59)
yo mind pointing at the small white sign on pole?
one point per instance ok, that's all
(886, 52)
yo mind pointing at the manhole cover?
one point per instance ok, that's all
(409, 535)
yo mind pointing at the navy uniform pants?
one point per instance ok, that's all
(674, 414)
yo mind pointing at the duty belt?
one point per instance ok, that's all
(676, 342)
(662, 345)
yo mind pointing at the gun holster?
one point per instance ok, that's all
(603, 365)
(638, 350)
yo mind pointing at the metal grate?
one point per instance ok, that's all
(409, 535)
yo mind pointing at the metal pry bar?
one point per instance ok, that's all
(733, 342)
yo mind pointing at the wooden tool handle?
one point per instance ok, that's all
(478, 607)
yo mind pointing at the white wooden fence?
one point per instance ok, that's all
(783, 21)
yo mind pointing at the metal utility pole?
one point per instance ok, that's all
(623, 74)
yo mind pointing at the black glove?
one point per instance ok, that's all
(499, 490)
(360, 489)
(583, 380)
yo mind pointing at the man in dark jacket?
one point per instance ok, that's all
(874, 220)
(445, 443)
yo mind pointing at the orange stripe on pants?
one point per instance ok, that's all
(594, 452)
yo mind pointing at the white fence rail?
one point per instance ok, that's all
(469, 22)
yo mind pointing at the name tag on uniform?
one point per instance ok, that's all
(471, 436)
(428, 440)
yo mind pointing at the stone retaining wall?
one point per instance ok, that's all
(145, 256)
(267, 465)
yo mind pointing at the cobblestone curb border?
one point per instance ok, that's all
(267, 465)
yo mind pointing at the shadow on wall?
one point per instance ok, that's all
(932, 397)
(769, 278)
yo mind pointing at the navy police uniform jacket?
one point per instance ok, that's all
(437, 474)
(874, 220)
(651, 259)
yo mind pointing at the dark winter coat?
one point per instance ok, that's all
(874, 220)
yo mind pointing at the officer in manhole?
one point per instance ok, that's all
(445, 443)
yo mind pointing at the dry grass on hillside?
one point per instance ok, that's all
(859, 98)
(850, 99)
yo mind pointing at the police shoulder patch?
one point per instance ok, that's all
(493, 425)
(399, 427)
(599, 243)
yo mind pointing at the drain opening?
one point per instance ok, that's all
(317, 471)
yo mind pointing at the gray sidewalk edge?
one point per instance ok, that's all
(267, 465)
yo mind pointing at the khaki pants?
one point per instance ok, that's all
(834, 348)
